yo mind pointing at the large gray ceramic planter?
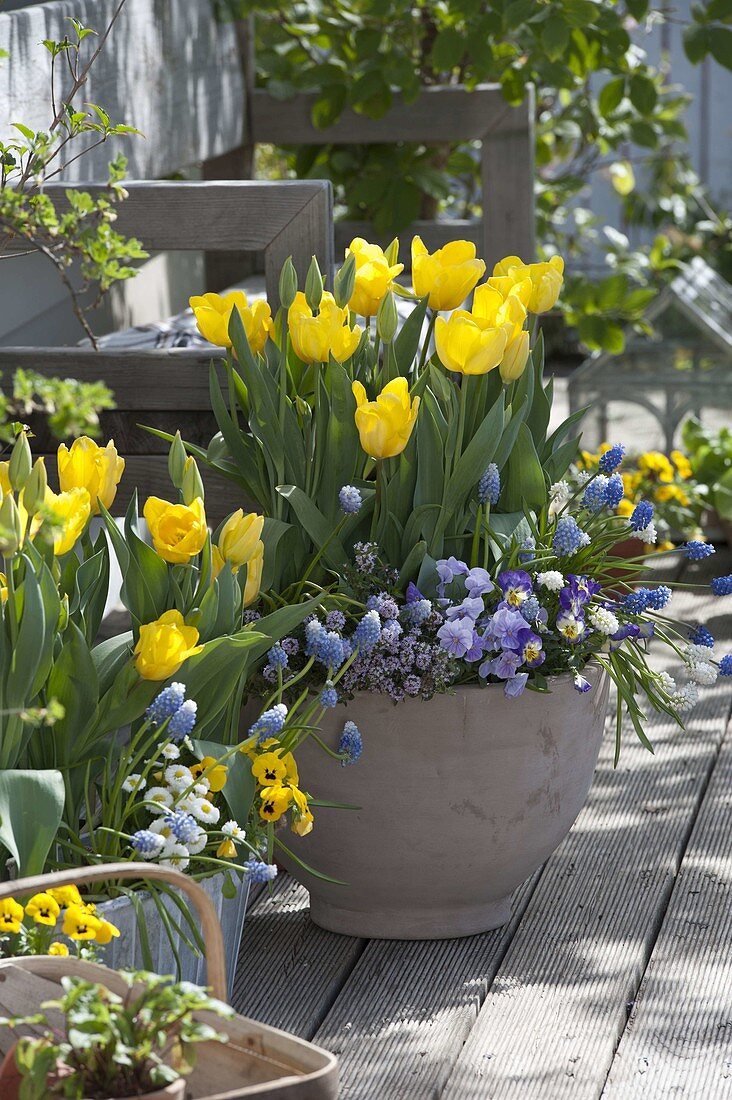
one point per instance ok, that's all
(126, 953)
(461, 799)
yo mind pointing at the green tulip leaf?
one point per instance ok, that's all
(31, 807)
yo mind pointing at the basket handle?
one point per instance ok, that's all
(210, 927)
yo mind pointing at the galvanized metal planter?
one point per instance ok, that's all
(170, 954)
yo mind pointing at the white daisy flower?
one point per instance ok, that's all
(175, 855)
(162, 799)
(178, 777)
(170, 751)
(205, 811)
(233, 829)
(161, 828)
(134, 782)
(196, 846)
(201, 788)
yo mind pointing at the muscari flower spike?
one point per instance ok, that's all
(697, 551)
(725, 665)
(270, 723)
(147, 844)
(568, 537)
(489, 486)
(257, 870)
(350, 500)
(699, 635)
(183, 721)
(611, 459)
(642, 515)
(166, 704)
(350, 743)
(277, 657)
(722, 586)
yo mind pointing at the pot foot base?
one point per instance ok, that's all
(418, 924)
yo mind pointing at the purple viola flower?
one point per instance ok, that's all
(476, 650)
(478, 582)
(456, 637)
(469, 609)
(449, 568)
(413, 594)
(578, 591)
(571, 626)
(506, 664)
(515, 686)
(580, 683)
(627, 630)
(532, 652)
(509, 628)
(515, 584)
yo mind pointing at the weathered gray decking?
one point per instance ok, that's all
(614, 978)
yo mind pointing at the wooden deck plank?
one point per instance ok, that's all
(289, 971)
(558, 1005)
(407, 1009)
(679, 1040)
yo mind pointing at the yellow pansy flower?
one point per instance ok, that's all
(374, 276)
(216, 777)
(88, 466)
(255, 569)
(43, 908)
(178, 530)
(226, 849)
(671, 492)
(662, 547)
(238, 540)
(546, 281)
(11, 915)
(656, 463)
(80, 925)
(682, 464)
(106, 932)
(446, 276)
(269, 768)
(385, 425)
(69, 514)
(275, 802)
(318, 336)
(302, 820)
(625, 508)
(66, 895)
(291, 772)
(213, 313)
(57, 948)
(164, 645)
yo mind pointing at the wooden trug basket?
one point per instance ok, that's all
(257, 1060)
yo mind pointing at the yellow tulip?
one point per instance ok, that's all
(317, 336)
(464, 346)
(68, 513)
(446, 276)
(213, 313)
(385, 425)
(238, 539)
(546, 281)
(88, 466)
(374, 276)
(164, 645)
(5, 485)
(510, 314)
(178, 530)
(255, 568)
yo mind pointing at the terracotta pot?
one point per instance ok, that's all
(10, 1081)
(461, 799)
(174, 1091)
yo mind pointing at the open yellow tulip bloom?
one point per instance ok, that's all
(546, 280)
(491, 309)
(88, 466)
(213, 313)
(465, 346)
(69, 513)
(385, 425)
(446, 276)
(317, 336)
(178, 530)
(374, 277)
(164, 645)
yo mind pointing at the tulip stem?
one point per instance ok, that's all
(461, 420)
(8, 569)
(427, 342)
(377, 502)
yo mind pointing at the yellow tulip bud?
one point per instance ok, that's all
(164, 645)
(255, 568)
(491, 309)
(177, 460)
(515, 358)
(178, 530)
(447, 276)
(317, 336)
(314, 285)
(288, 283)
(546, 280)
(239, 538)
(21, 461)
(385, 425)
(34, 493)
(88, 466)
(11, 526)
(345, 281)
(387, 319)
(463, 346)
(213, 314)
(374, 276)
(67, 513)
(5, 486)
(191, 485)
